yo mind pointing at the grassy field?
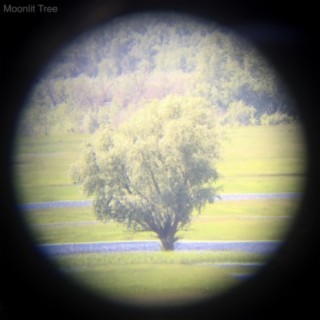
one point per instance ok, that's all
(177, 276)
(232, 220)
(256, 159)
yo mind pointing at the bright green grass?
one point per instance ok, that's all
(261, 208)
(231, 228)
(223, 220)
(91, 260)
(263, 159)
(141, 284)
(156, 277)
(255, 159)
(42, 168)
(265, 208)
(59, 215)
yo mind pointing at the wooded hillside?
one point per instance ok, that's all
(135, 60)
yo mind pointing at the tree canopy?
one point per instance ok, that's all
(149, 57)
(152, 171)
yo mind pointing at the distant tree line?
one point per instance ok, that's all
(105, 76)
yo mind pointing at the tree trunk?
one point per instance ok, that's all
(167, 234)
(167, 243)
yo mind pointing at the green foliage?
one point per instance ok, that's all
(34, 121)
(148, 57)
(154, 169)
(90, 123)
(239, 114)
(276, 118)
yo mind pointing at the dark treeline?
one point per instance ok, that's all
(107, 74)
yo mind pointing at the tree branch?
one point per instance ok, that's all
(152, 176)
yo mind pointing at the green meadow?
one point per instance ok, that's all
(232, 220)
(177, 276)
(256, 159)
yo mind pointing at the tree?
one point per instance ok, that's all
(239, 114)
(152, 171)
